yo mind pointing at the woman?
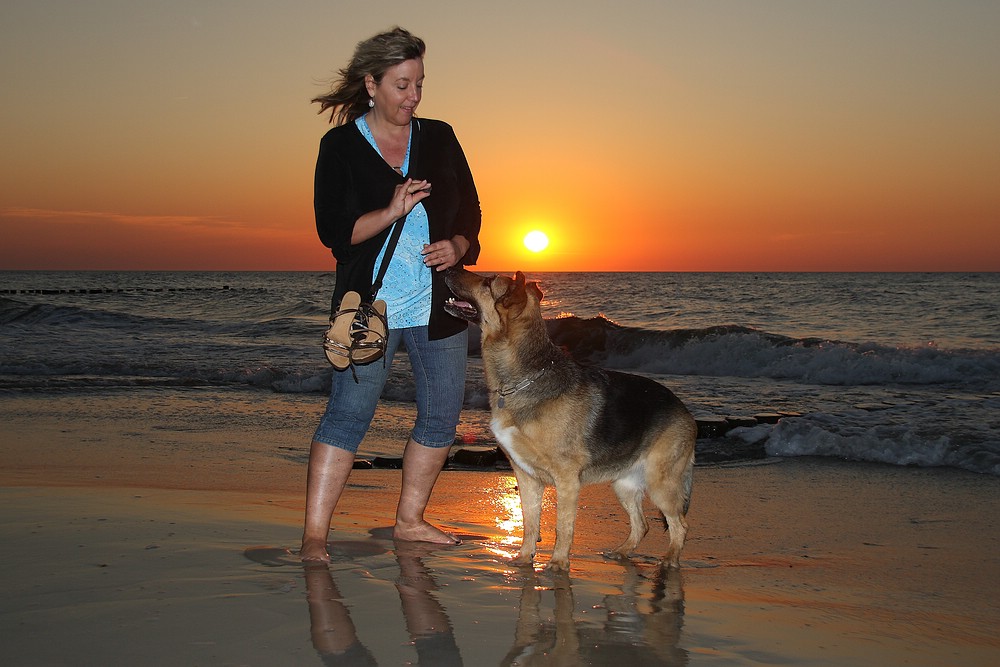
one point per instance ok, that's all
(376, 166)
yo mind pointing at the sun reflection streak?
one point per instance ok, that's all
(505, 507)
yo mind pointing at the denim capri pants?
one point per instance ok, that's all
(439, 375)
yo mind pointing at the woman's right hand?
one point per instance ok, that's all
(407, 195)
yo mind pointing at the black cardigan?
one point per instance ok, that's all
(353, 179)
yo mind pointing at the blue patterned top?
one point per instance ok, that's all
(406, 288)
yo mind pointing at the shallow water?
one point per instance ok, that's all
(149, 576)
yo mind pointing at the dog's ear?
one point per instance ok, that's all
(516, 294)
(528, 287)
(535, 289)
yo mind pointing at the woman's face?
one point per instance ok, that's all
(397, 96)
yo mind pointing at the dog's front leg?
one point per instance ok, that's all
(531, 491)
(527, 632)
(567, 497)
(567, 648)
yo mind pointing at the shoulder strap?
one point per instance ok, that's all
(397, 229)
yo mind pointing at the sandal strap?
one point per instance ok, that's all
(336, 347)
(344, 312)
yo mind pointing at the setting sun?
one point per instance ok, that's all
(536, 241)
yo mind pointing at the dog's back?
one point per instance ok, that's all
(629, 411)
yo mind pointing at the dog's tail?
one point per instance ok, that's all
(688, 483)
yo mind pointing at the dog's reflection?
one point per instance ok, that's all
(629, 632)
(333, 632)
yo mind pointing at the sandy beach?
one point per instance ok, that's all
(134, 536)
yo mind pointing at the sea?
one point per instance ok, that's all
(886, 368)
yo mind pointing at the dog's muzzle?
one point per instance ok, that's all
(461, 309)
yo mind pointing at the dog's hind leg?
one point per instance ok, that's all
(531, 491)
(677, 524)
(567, 498)
(630, 493)
(672, 494)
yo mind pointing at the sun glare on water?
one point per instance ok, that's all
(536, 241)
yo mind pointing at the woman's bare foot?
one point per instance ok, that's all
(422, 532)
(314, 551)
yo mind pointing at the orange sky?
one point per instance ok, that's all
(663, 136)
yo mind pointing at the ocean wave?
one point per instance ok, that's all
(51, 315)
(739, 351)
(299, 309)
(877, 440)
(17, 312)
(246, 317)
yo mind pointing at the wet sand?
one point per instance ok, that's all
(130, 539)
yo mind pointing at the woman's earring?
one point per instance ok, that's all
(371, 102)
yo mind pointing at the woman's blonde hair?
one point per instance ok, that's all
(348, 97)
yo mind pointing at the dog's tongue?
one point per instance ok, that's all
(462, 309)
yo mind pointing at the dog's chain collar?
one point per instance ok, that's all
(523, 384)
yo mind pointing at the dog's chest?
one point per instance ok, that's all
(509, 438)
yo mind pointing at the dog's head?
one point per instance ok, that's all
(489, 301)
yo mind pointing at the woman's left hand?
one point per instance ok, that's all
(442, 255)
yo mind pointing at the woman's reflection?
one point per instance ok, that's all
(426, 621)
(333, 633)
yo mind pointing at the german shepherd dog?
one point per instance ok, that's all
(566, 425)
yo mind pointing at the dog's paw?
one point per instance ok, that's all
(559, 565)
(671, 563)
(522, 560)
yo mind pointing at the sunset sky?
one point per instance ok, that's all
(653, 135)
